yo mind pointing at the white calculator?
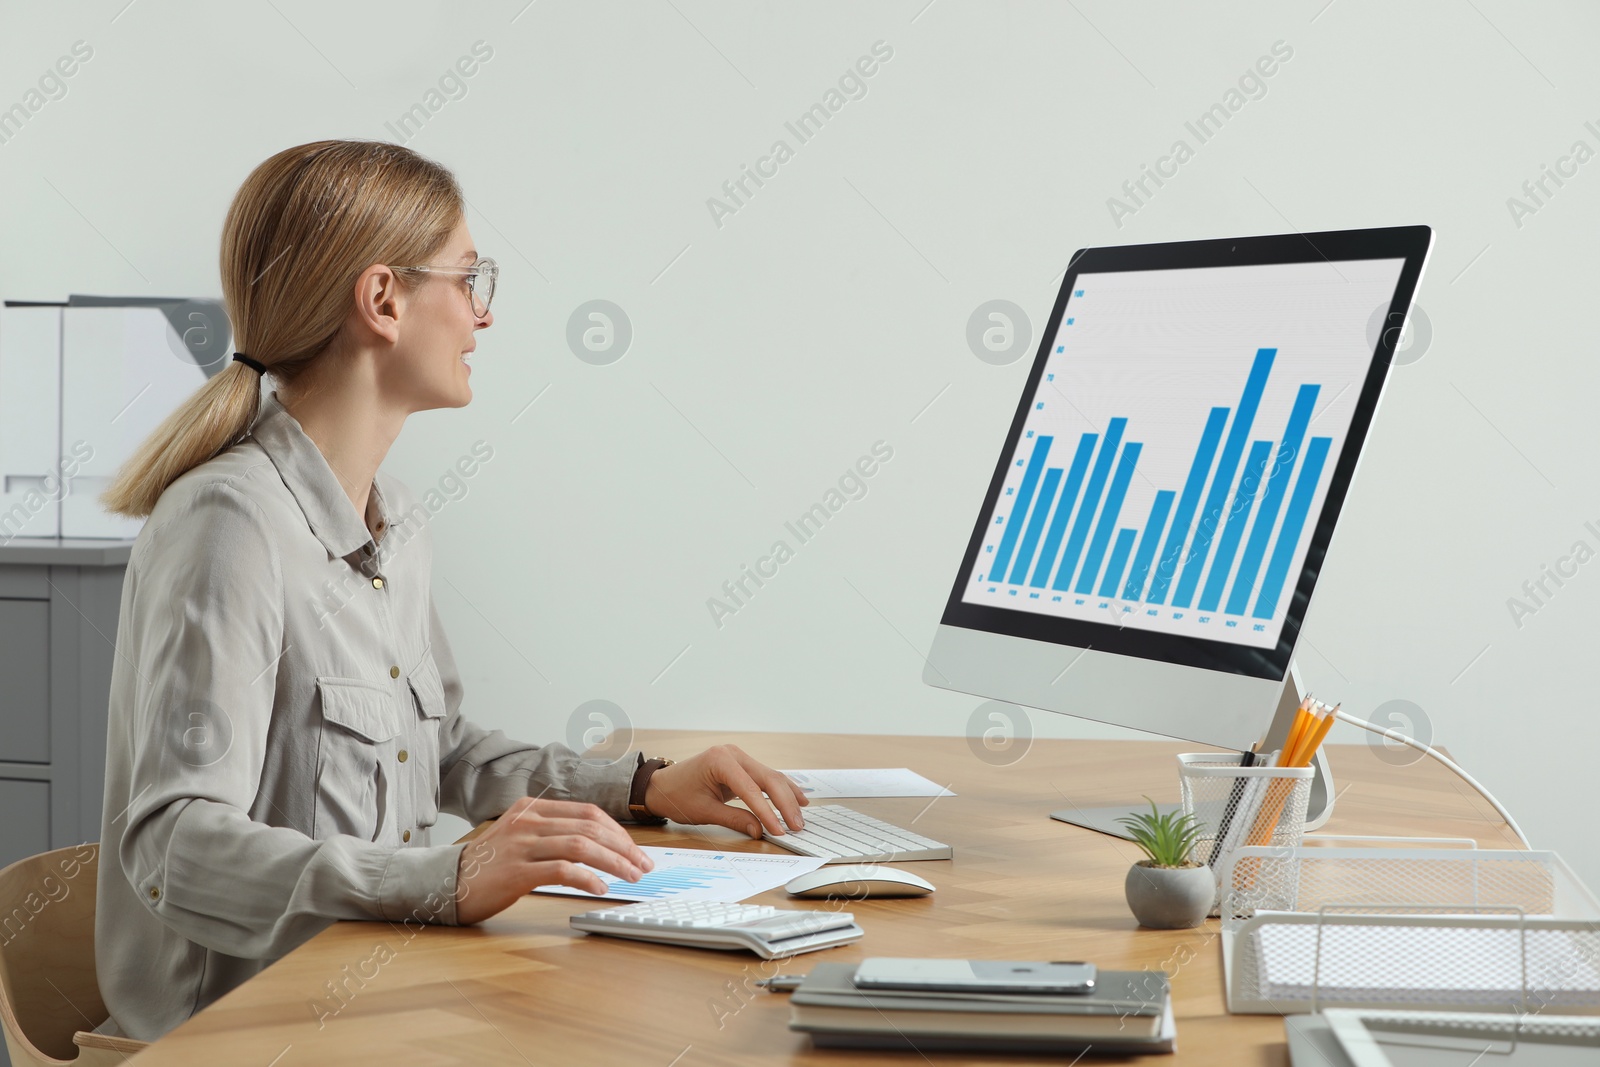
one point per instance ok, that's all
(769, 932)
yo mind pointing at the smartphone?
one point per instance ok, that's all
(975, 976)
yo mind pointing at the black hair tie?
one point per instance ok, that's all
(259, 368)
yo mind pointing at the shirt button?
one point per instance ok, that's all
(406, 836)
(403, 755)
(394, 672)
(155, 893)
(377, 583)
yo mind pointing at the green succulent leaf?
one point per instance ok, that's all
(1167, 839)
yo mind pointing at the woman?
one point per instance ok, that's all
(284, 718)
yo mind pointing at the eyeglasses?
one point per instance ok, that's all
(480, 282)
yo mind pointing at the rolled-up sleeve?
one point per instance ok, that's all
(482, 772)
(209, 634)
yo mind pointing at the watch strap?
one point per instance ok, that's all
(641, 785)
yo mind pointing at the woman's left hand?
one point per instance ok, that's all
(696, 790)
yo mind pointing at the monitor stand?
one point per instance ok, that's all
(1318, 807)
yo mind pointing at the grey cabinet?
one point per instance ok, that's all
(59, 602)
(25, 828)
(24, 652)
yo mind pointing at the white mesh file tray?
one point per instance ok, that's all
(1463, 929)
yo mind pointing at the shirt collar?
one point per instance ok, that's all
(303, 468)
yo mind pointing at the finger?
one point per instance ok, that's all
(559, 872)
(524, 808)
(780, 791)
(551, 810)
(612, 838)
(745, 788)
(562, 809)
(580, 848)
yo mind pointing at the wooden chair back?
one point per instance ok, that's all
(49, 996)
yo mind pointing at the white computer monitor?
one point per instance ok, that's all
(1168, 489)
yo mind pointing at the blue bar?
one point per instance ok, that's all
(1293, 520)
(1277, 487)
(1108, 516)
(1222, 484)
(1069, 496)
(1091, 500)
(1198, 470)
(1041, 510)
(1119, 559)
(1255, 468)
(1019, 510)
(1147, 544)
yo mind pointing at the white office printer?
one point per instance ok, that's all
(82, 383)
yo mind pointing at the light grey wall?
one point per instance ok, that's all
(773, 347)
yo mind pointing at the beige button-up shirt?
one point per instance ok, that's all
(284, 728)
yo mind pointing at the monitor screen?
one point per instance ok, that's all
(1186, 437)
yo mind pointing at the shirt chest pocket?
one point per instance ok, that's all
(356, 759)
(427, 689)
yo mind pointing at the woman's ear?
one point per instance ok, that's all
(379, 302)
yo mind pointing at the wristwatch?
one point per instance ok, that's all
(641, 784)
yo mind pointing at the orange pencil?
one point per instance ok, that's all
(1316, 738)
(1296, 731)
(1302, 745)
(1313, 724)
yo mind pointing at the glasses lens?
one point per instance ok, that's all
(483, 291)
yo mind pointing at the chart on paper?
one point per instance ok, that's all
(1179, 448)
(698, 874)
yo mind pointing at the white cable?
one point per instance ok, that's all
(1396, 735)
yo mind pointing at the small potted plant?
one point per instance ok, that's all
(1168, 890)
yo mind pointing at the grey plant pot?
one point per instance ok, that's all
(1170, 898)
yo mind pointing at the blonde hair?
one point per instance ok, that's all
(301, 229)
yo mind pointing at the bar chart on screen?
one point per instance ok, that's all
(1169, 476)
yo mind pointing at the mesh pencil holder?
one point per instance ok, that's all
(1235, 806)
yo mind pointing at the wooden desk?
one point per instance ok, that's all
(525, 988)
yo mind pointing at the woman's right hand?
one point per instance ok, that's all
(542, 842)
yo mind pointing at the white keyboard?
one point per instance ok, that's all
(769, 932)
(837, 834)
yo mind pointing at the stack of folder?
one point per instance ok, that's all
(1129, 1012)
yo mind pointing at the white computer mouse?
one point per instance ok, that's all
(858, 880)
